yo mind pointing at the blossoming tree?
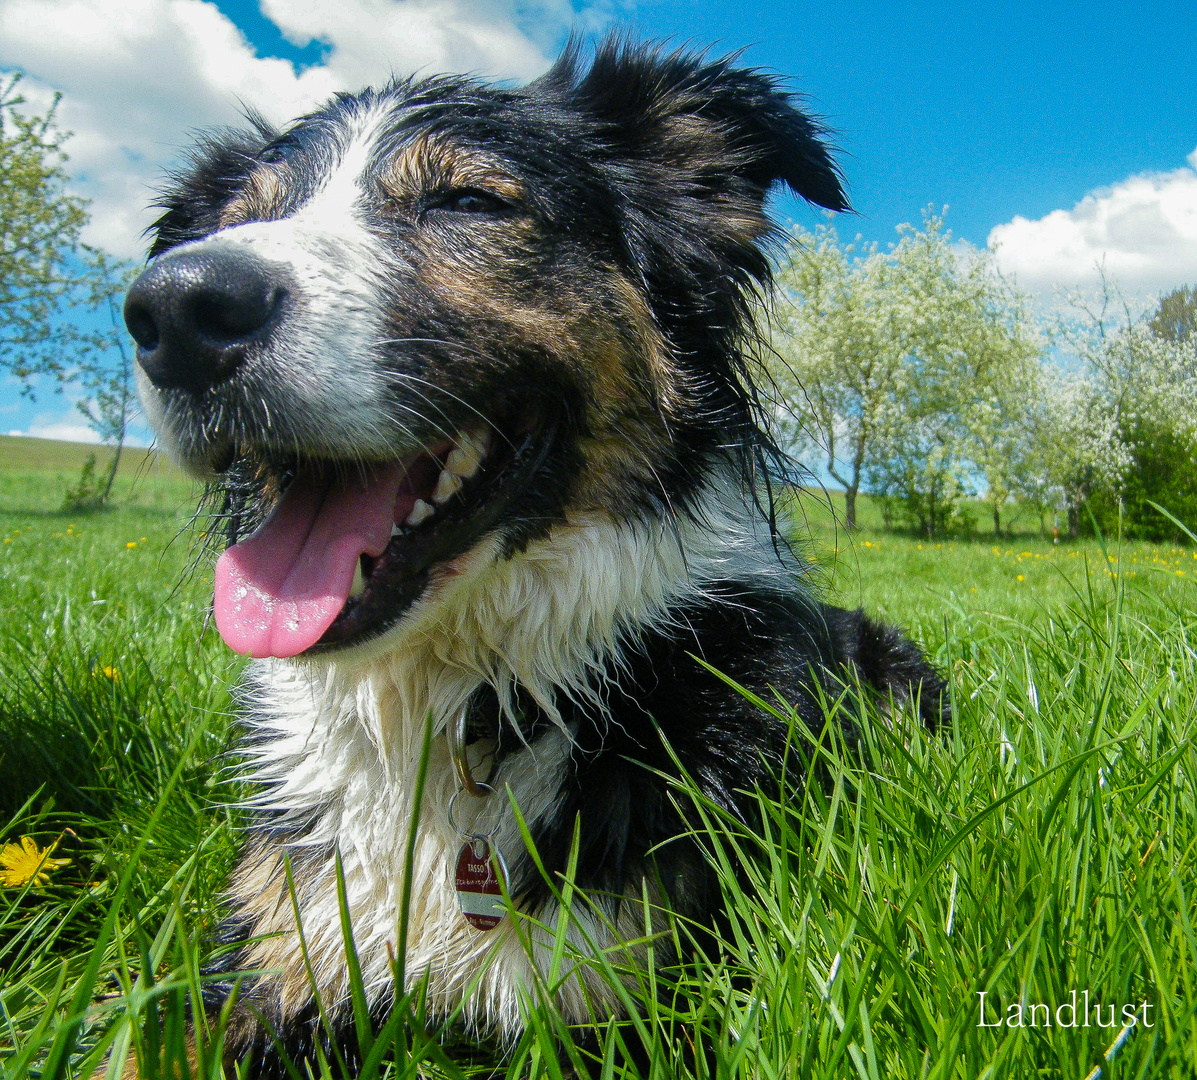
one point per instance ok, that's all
(909, 368)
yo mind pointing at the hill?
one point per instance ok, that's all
(23, 454)
(36, 473)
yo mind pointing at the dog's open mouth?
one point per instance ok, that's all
(348, 549)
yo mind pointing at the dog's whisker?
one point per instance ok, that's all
(410, 379)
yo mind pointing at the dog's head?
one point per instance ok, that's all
(445, 311)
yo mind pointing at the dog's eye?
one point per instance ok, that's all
(466, 201)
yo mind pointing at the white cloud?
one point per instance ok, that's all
(140, 76)
(1142, 230)
(65, 431)
(79, 433)
(372, 38)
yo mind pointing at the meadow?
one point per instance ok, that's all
(1043, 844)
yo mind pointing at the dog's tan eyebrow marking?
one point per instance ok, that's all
(431, 163)
(258, 200)
(663, 376)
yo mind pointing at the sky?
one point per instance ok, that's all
(1061, 135)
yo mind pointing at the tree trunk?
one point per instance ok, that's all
(850, 489)
(124, 423)
(997, 521)
(1074, 521)
(116, 460)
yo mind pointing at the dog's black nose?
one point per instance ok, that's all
(195, 314)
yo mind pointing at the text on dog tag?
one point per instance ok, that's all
(479, 892)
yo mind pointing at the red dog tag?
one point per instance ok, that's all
(479, 893)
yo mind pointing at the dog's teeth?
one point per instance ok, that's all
(463, 459)
(397, 530)
(359, 582)
(480, 437)
(470, 451)
(420, 513)
(447, 485)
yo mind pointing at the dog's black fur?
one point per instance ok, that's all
(579, 262)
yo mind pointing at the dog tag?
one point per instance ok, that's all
(479, 892)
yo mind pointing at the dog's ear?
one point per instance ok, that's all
(706, 120)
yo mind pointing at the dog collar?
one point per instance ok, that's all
(456, 736)
(480, 875)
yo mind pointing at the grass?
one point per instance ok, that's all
(1044, 844)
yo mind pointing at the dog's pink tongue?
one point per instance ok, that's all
(278, 591)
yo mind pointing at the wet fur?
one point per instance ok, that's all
(615, 292)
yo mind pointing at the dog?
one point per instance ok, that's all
(472, 371)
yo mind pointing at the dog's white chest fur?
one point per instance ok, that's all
(335, 748)
(354, 796)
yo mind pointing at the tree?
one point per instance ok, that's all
(913, 364)
(104, 372)
(49, 278)
(1175, 319)
(42, 261)
(1158, 426)
(973, 352)
(1072, 448)
(836, 366)
(1143, 375)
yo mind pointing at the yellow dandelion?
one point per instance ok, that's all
(131, 544)
(142, 540)
(24, 862)
(1021, 578)
(109, 672)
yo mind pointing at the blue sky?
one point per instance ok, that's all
(1065, 132)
